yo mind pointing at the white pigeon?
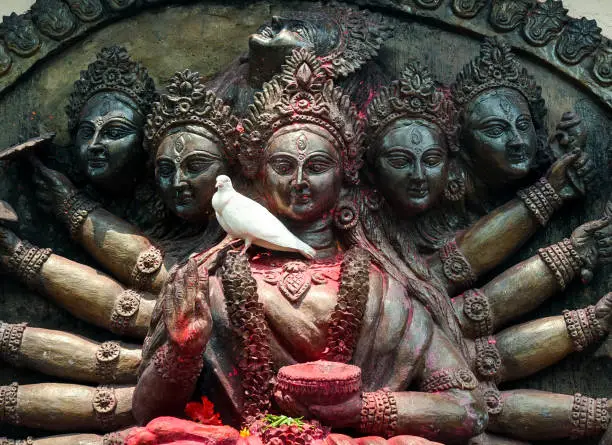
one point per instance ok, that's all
(241, 217)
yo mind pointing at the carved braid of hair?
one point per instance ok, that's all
(408, 270)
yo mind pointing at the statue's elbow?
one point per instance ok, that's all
(475, 416)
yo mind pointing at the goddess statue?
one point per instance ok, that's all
(411, 149)
(303, 143)
(191, 147)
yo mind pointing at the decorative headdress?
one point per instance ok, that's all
(497, 67)
(303, 93)
(188, 103)
(360, 34)
(112, 71)
(414, 95)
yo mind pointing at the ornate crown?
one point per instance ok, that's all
(414, 95)
(498, 67)
(302, 93)
(112, 71)
(360, 35)
(188, 103)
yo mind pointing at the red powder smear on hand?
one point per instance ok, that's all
(203, 413)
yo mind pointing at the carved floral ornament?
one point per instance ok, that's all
(538, 23)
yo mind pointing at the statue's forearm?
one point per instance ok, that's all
(166, 385)
(497, 235)
(121, 247)
(68, 356)
(95, 297)
(566, 416)
(72, 407)
(535, 345)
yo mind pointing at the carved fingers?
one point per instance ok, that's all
(557, 174)
(186, 310)
(342, 415)
(8, 244)
(52, 187)
(603, 312)
(593, 242)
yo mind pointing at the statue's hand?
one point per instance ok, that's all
(342, 415)
(593, 242)
(603, 312)
(186, 309)
(52, 187)
(558, 178)
(8, 243)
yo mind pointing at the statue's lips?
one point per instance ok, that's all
(184, 198)
(517, 156)
(418, 191)
(97, 162)
(303, 198)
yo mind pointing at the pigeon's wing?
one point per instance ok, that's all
(222, 223)
(246, 218)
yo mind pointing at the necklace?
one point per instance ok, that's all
(247, 317)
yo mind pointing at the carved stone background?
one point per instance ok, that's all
(206, 36)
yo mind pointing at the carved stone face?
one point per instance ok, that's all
(302, 174)
(274, 42)
(109, 141)
(186, 167)
(411, 166)
(499, 136)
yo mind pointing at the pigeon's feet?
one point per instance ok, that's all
(247, 244)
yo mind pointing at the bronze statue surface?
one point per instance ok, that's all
(324, 225)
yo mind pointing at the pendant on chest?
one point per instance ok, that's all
(295, 280)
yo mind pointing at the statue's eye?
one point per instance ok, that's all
(117, 132)
(523, 123)
(399, 161)
(282, 166)
(432, 160)
(85, 132)
(198, 166)
(494, 131)
(165, 169)
(318, 167)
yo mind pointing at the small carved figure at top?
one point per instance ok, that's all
(579, 39)
(120, 5)
(544, 22)
(508, 14)
(342, 38)
(87, 10)
(53, 18)
(190, 134)
(19, 34)
(106, 113)
(428, 4)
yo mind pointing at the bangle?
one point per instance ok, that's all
(541, 199)
(104, 404)
(455, 265)
(107, 359)
(476, 309)
(583, 327)
(147, 264)
(378, 413)
(450, 378)
(75, 209)
(26, 262)
(589, 416)
(175, 368)
(125, 311)
(488, 360)
(562, 260)
(28, 441)
(10, 342)
(8, 404)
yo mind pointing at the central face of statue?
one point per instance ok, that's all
(186, 167)
(499, 135)
(411, 168)
(302, 175)
(109, 140)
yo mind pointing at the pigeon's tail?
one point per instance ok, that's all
(306, 250)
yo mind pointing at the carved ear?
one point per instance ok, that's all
(455, 186)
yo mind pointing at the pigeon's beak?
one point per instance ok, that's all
(218, 184)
